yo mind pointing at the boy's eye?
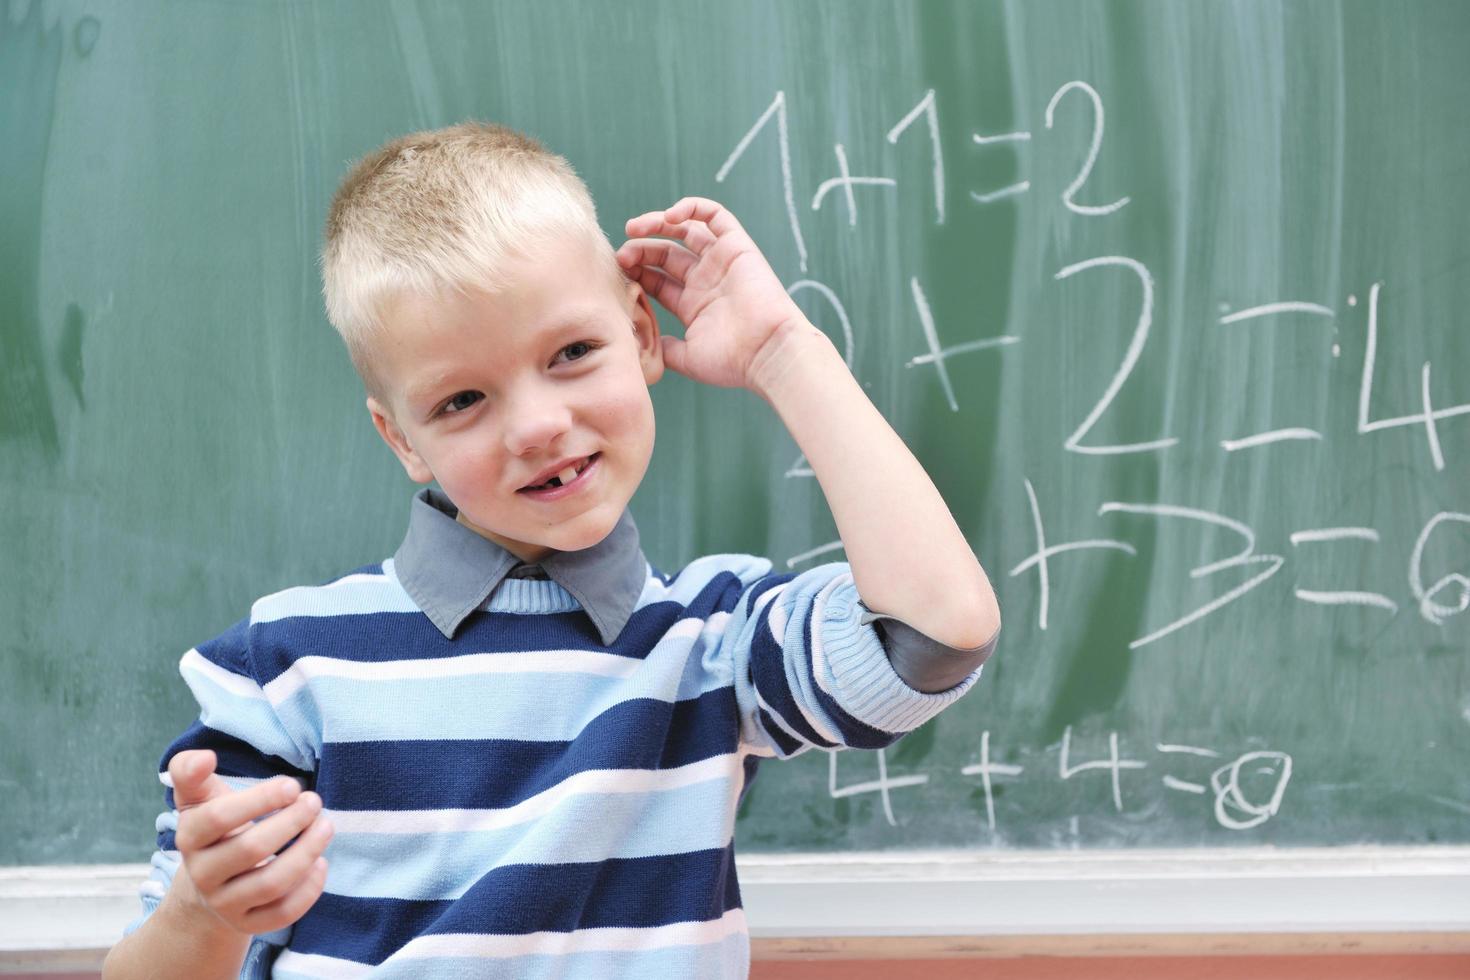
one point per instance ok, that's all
(581, 343)
(449, 406)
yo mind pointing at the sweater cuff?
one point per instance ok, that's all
(855, 669)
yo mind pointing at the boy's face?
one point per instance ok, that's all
(488, 392)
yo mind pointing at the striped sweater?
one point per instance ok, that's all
(533, 776)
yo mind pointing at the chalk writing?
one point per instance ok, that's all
(1242, 789)
(1135, 350)
(1092, 149)
(1429, 417)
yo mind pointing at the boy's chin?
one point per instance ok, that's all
(579, 535)
(583, 531)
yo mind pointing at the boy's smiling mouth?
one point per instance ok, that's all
(561, 476)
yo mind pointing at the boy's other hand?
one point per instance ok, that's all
(230, 869)
(717, 283)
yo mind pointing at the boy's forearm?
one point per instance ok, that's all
(909, 558)
(177, 942)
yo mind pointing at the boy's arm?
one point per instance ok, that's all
(909, 558)
(178, 940)
(177, 935)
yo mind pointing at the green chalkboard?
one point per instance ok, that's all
(1169, 298)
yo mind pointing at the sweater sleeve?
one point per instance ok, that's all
(251, 745)
(923, 662)
(811, 671)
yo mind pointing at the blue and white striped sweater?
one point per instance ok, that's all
(523, 800)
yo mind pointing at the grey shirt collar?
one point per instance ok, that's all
(449, 570)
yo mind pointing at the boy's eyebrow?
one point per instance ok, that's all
(423, 391)
(577, 320)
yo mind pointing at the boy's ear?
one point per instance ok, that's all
(645, 331)
(417, 470)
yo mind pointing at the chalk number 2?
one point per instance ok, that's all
(1135, 349)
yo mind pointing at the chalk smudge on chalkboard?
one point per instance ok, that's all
(30, 59)
(69, 352)
(85, 35)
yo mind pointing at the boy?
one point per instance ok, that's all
(530, 741)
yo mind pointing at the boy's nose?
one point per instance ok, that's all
(536, 424)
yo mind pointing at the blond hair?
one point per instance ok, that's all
(444, 209)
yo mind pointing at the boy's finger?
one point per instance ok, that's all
(660, 244)
(719, 218)
(291, 906)
(696, 234)
(188, 771)
(647, 223)
(670, 256)
(664, 288)
(673, 350)
(262, 843)
(652, 223)
(204, 825)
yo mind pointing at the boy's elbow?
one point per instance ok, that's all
(981, 622)
(992, 614)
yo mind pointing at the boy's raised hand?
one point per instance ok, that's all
(227, 866)
(717, 283)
